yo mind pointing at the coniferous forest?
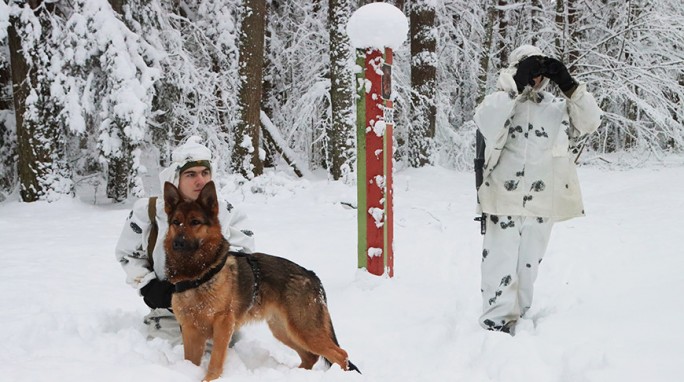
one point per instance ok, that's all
(101, 91)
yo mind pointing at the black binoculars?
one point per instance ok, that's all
(544, 66)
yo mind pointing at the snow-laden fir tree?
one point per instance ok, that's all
(299, 70)
(106, 84)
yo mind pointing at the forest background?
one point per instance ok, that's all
(98, 92)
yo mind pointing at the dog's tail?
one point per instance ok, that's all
(350, 365)
(353, 367)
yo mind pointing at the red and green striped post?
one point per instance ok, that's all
(374, 161)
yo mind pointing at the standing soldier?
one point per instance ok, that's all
(529, 180)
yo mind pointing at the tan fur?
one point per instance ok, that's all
(288, 297)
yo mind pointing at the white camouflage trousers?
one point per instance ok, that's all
(512, 250)
(161, 323)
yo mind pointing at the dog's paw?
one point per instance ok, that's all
(210, 377)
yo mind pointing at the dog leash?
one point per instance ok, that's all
(154, 230)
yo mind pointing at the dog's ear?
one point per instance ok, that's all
(171, 197)
(208, 199)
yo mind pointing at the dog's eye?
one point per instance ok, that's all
(195, 222)
(176, 222)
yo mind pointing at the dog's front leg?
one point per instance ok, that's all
(193, 344)
(223, 330)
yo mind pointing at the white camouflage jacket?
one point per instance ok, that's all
(131, 249)
(528, 168)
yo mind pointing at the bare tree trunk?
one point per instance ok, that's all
(8, 145)
(117, 5)
(341, 133)
(486, 49)
(560, 25)
(423, 82)
(117, 175)
(502, 49)
(535, 23)
(37, 138)
(20, 81)
(118, 166)
(268, 88)
(630, 132)
(5, 84)
(575, 35)
(246, 158)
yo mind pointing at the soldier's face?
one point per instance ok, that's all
(192, 181)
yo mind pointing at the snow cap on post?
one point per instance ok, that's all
(377, 25)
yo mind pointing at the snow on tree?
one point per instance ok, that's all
(340, 137)
(107, 85)
(423, 82)
(44, 172)
(117, 90)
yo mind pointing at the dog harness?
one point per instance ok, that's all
(251, 260)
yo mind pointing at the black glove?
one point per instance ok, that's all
(527, 69)
(558, 73)
(157, 293)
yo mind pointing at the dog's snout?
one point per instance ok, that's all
(180, 244)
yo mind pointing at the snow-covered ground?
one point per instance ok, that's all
(607, 308)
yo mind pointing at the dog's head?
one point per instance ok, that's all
(194, 233)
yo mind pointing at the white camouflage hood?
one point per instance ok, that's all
(191, 151)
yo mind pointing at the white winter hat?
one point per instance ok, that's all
(190, 154)
(522, 52)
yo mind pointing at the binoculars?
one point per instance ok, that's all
(544, 66)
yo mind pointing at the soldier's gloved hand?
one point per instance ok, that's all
(157, 293)
(558, 73)
(527, 69)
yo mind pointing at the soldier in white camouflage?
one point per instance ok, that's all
(529, 176)
(144, 260)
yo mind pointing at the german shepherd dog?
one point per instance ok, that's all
(217, 291)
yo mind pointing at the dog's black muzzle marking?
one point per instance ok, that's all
(181, 244)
